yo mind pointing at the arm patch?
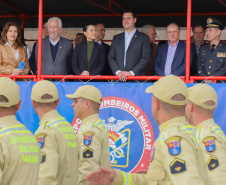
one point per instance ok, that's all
(213, 163)
(88, 153)
(177, 166)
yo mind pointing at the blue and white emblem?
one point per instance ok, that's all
(209, 143)
(173, 145)
(40, 139)
(87, 138)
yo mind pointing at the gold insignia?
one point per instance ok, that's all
(209, 20)
(176, 138)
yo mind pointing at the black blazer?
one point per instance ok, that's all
(137, 55)
(79, 59)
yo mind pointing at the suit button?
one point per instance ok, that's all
(209, 66)
(210, 60)
(208, 73)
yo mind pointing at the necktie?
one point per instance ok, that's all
(212, 47)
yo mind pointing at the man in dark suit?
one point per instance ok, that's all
(56, 50)
(212, 56)
(130, 50)
(151, 32)
(171, 56)
(100, 36)
(198, 36)
(32, 57)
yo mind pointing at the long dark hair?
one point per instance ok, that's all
(5, 31)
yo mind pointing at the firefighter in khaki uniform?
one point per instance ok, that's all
(199, 112)
(56, 138)
(19, 151)
(176, 157)
(93, 141)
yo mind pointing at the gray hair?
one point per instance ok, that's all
(144, 29)
(57, 19)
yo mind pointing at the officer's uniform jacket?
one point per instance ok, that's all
(93, 146)
(58, 144)
(212, 64)
(19, 153)
(213, 144)
(176, 159)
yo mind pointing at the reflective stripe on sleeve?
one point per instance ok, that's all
(127, 178)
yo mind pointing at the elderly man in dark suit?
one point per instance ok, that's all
(56, 50)
(171, 56)
(130, 50)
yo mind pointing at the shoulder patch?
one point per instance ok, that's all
(88, 153)
(43, 157)
(177, 166)
(152, 153)
(40, 139)
(87, 138)
(209, 143)
(173, 145)
(212, 163)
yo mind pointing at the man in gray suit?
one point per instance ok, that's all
(56, 50)
(130, 50)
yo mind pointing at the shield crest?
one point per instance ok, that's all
(87, 138)
(173, 145)
(209, 143)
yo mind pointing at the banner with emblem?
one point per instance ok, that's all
(126, 112)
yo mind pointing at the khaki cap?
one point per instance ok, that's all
(200, 94)
(88, 92)
(167, 87)
(44, 87)
(10, 90)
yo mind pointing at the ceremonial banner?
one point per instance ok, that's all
(126, 112)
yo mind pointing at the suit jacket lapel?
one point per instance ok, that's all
(165, 52)
(47, 50)
(121, 48)
(136, 34)
(59, 49)
(10, 54)
(93, 55)
(177, 51)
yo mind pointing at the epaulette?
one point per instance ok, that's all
(55, 122)
(100, 124)
(163, 137)
(189, 129)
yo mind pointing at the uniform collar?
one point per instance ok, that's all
(93, 116)
(170, 123)
(204, 124)
(11, 118)
(49, 115)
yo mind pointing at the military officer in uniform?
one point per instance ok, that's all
(212, 56)
(19, 151)
(93, 141)
(199, 112)
(56, 138)
(176, 157)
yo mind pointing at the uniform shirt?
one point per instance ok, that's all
(19, 153)
(58, 144)
(213, 144)
(212, 64)
(176, 159)
(93, 146)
